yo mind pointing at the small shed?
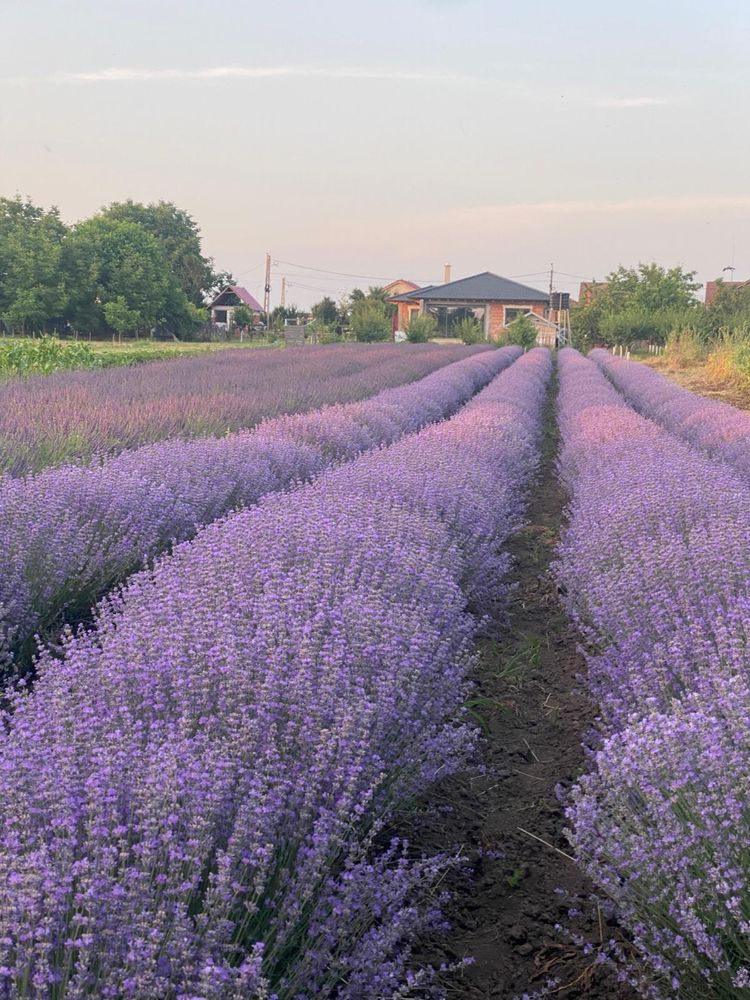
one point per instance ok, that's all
(224, 304)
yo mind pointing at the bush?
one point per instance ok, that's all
(421, 329)
(327, 333)
(470, 331)
(521, 331)
(370, 321)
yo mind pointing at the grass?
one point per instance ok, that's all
(168, 348)
(719, 371)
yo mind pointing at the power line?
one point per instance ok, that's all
(343, 274)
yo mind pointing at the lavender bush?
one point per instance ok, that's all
(77, 416)
(191, 797)
(68, 534)
(656, 567)
(662, 825)
(715, 427)
(656, 558)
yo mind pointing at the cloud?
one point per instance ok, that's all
(124, 74)
(540, 211)
(634, 102)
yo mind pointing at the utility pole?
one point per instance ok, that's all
(551, 282)
(267, 290)
(283, 291)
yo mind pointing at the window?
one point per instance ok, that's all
(511, 314)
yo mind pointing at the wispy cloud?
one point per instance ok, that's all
(634, 102)
(124, 74)
(493, 217)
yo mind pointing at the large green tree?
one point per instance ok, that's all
(180, 238)
(120, 278)
(33, 292)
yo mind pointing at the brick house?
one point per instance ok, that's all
(712, 287)
(493, 300)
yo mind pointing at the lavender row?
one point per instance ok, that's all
(717, 428)
(83, 415)
(191, 797)
(69, 534)
(656, 566)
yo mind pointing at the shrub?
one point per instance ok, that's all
(421, 329)
(370, 321)
(470, 331)
(521, 331)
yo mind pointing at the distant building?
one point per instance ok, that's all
(397, 288)
(493, 300)
(712, 287)
(224, 304)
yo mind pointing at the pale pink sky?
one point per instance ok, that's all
(385, 138)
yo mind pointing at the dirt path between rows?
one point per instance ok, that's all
(534, 714)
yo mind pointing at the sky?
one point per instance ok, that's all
(383, 138)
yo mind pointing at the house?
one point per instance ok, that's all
(712, 287)
(224, 304)
(493, 300)
(401, 287)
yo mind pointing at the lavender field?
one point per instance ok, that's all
(83, 415)
(256, 628)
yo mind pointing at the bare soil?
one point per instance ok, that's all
(519, 882)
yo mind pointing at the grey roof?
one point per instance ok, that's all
(485, 287)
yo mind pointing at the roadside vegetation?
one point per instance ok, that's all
(646, 306)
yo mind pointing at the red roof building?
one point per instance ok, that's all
(224, 304)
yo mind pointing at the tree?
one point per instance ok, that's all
(122, 265)
(33, 290)
(729, 309)
(370, 321)
(280, 315)
(180, 239)
(326, 311)
(421, 328)
(241, 316)
(522, 331)
(119, 317)
(637, 303)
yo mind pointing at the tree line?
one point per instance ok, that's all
(130, 268)
(652, 303)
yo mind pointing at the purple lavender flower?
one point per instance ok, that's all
(655, 563)
(83, 415)
(192, 796)
(69, 534)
